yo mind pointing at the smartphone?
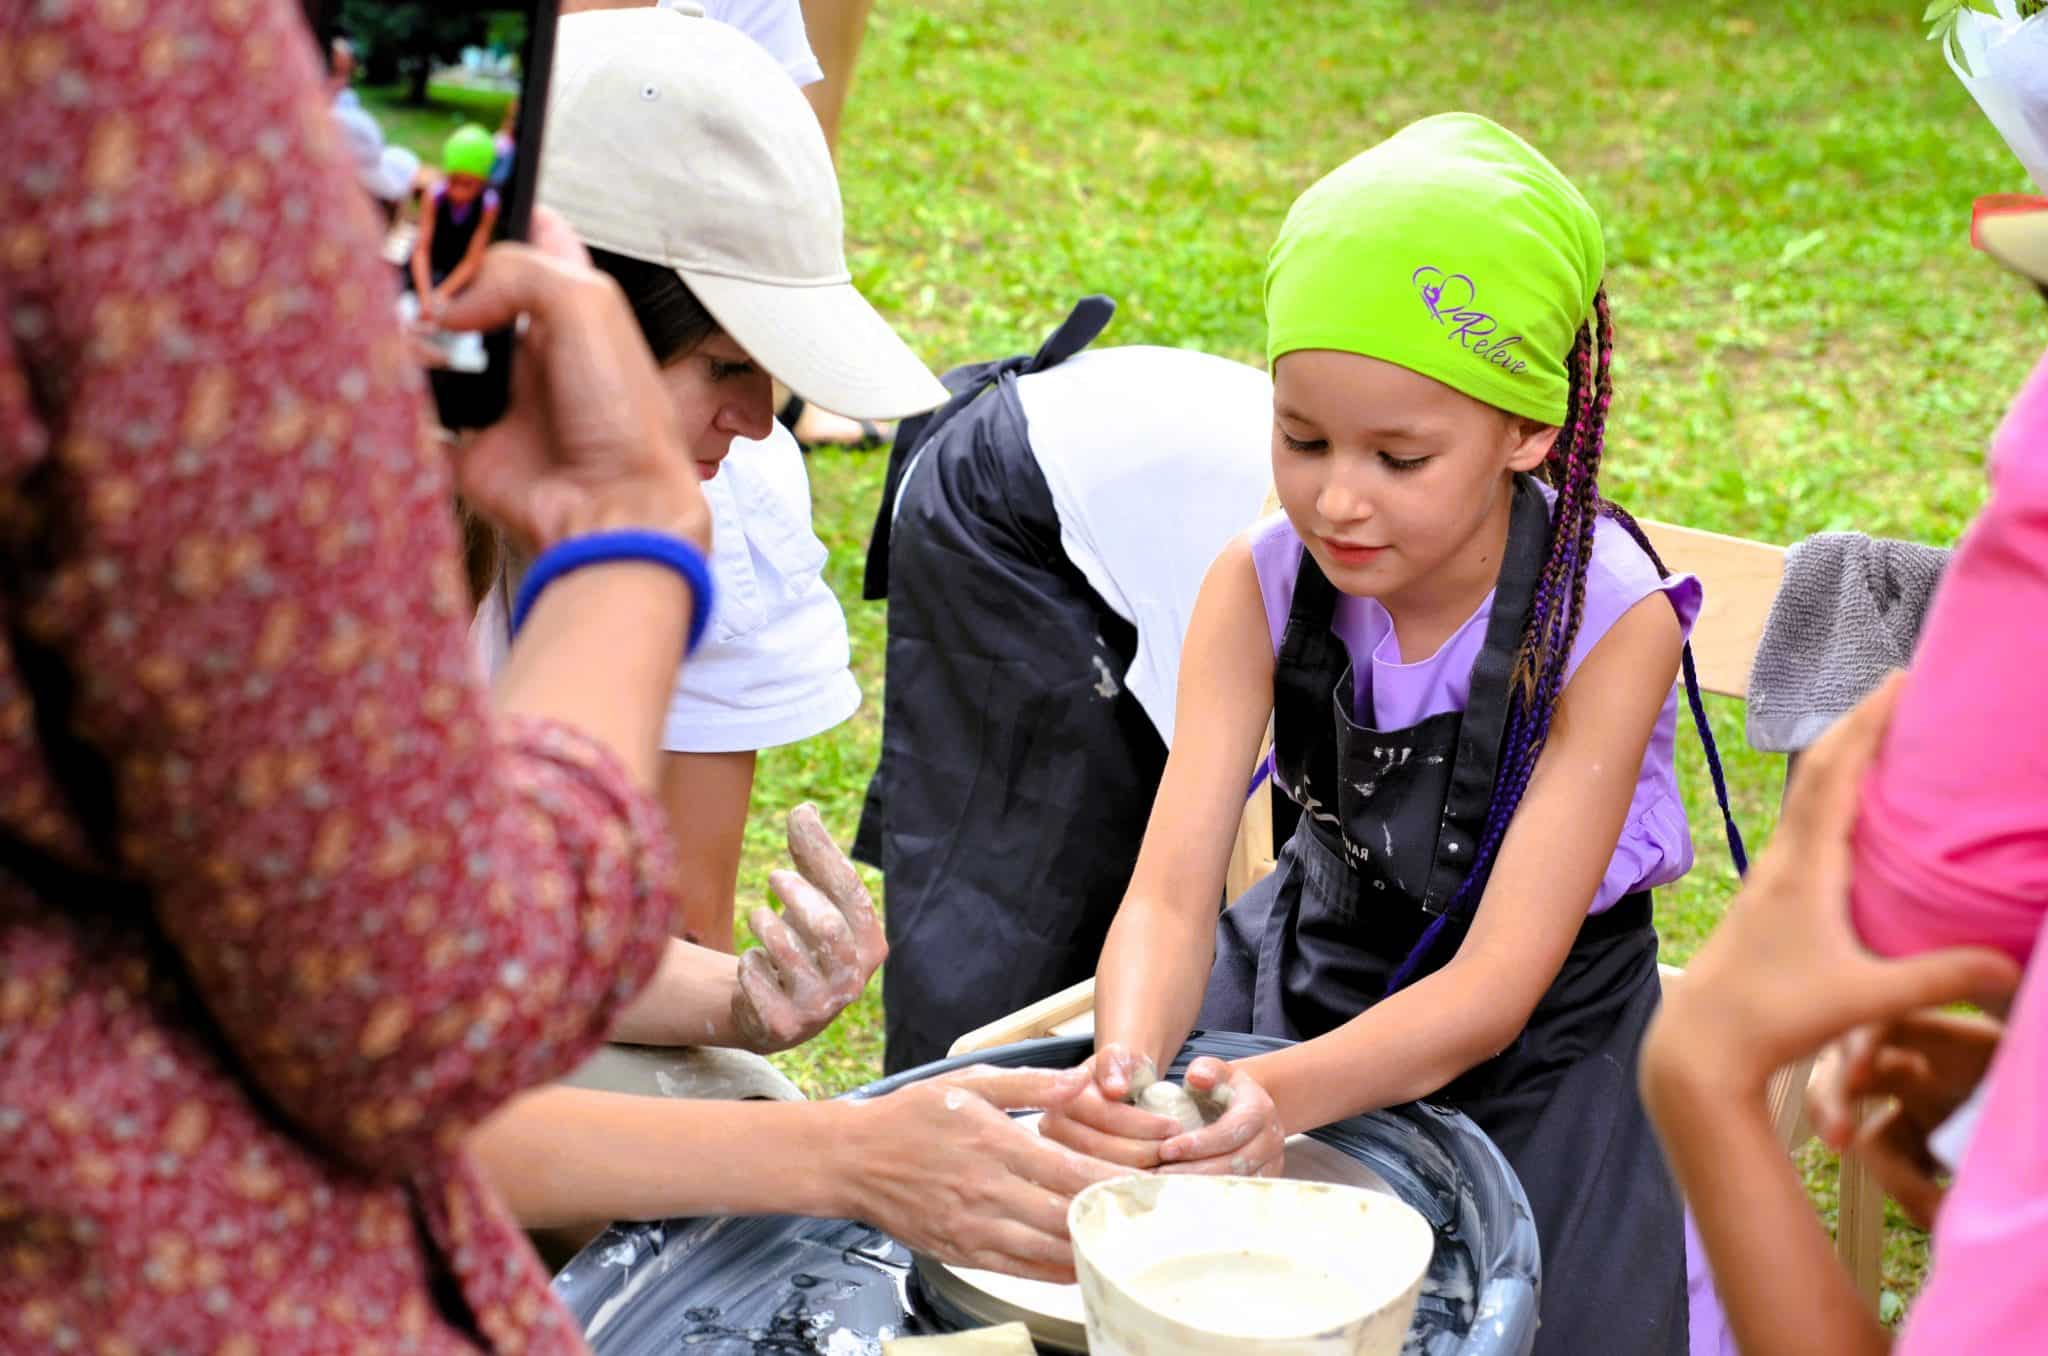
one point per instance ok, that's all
(440, 108)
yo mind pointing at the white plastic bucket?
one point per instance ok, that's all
(1242, 1266)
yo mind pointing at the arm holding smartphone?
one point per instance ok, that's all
(1783, 974)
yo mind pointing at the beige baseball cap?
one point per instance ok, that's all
(677, 140)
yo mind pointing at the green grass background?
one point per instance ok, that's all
(1806, 341)
(422, 128)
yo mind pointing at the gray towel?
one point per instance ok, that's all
(1847, 614)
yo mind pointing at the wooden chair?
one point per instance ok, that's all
(1741, 579)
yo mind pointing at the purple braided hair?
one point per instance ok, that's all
(1572, 469)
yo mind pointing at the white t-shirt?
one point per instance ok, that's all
(1156, 458)
(773, 668)
(778, 25)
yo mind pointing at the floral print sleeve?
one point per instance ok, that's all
(230, 594)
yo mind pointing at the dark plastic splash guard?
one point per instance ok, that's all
(805, 1287)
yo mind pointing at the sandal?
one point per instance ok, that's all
(872, 435)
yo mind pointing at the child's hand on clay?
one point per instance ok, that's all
(817, 955)
(1101, 1123)
(1246, 1140)
(1785, 972)
(1924, 1066)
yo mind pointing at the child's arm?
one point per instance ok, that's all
(1783, 974)
(1549, 866)
(1155, 964)
(422, 260)
(474, 258)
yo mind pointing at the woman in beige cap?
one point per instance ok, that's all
(705, 189)
(699, 179)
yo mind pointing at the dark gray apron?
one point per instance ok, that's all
(1389, 822)
(1016, 770)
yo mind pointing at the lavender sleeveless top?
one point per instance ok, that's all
(1656, 845)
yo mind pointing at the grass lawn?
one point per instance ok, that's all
(1806, 340)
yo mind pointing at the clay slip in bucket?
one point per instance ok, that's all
(1241, 1266)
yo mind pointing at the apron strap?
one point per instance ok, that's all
(1484, 724)
(1304, 750)
(1083, 324)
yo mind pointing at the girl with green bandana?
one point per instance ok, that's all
(1469, 662)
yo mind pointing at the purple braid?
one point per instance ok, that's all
(1572, 470)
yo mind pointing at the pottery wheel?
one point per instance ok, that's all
(1053, 1313)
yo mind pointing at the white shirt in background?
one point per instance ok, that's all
(774, 667)
(1156, 458)
(778, 25)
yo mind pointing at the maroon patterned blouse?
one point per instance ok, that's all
(241, 752)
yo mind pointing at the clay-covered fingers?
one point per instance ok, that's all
(821, 929)
(1122, 1072)
(1090, 1123)
(811, 963)
(781, 999)
(1246, 1141)
(795, 967)
(1139, 1154)
(766, 1017)
(819, 861)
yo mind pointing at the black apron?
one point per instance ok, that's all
(1389, 822)
(1016, 772)
(454, 229)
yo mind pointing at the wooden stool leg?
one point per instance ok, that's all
(1859, 1230)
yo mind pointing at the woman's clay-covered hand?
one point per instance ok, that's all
(1785, 973)
(1246, 1140)
(590, 440)
(1102, 1123)
(942, 1167)
(1924, 1066)
(817, 955)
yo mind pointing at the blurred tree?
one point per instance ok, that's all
(405, 43)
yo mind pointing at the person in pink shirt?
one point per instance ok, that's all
(1861, 916)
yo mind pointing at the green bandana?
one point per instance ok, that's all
(1452, 248)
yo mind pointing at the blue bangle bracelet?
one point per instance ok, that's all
(600, 548)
